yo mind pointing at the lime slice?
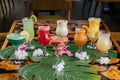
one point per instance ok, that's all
(34, 18)
(26, 34)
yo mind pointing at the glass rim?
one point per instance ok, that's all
(26, 18)
(94, 19)
(39, 27)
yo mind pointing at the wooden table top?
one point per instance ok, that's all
(17, 27)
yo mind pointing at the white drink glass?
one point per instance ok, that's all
(62, 29)
(104, 43)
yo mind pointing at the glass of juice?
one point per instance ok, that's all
(80, 37)
(16, 40)
(28, 25)
(44, 36)
(94, 25)
(104, 43)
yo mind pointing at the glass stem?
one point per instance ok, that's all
(45, 51)
(80, 49)
(29, 43)
(58, 59)
(92, 44)
(104, 54)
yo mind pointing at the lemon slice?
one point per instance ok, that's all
(34, 18)
(26, 34)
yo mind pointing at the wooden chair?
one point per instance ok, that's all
(96, 3)
(52, 6)
(6, 15)
(103, 2)
(87, 3)
(3, 36)
(116, 35)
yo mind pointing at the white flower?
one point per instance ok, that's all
(21, 54)
(38, 52)
(59, 67)
(82, 55)
(47, 54)
(104, 60)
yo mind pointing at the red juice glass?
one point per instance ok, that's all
(44, 36)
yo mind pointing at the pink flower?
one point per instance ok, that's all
(22, 47)
(65, 48)
(64, 51)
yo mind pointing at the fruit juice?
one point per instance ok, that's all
(28, 26)
(62, 28)
(80, 37)
(15, 39)
(94, 24)
(44, 35)
(93, 36)
(103, 43)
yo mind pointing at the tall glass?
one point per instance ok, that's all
(94, 25)
(28, 26)
(62, 28)
(104, 43)
(44, 36)
(80, 37)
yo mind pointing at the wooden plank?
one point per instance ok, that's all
(9, 76)
(11, 30)
(15, 76)
(116, 35)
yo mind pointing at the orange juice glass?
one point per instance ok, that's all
(80, 37)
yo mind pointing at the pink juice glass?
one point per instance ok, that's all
(44, 36)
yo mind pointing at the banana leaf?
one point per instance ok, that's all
(8, 53)
(71, 71)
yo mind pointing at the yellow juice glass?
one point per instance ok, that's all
(94, 25)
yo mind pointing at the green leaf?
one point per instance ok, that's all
(71, 71)
(112, 54)
(7, 53)
(35, 58)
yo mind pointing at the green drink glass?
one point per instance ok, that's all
(28, 26)
(15, 39)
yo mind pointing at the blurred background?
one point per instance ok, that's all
(81, 10)
(108, 10)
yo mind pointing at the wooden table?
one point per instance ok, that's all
(17, 27)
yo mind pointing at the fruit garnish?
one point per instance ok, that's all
(34, 18)
(86, 28)
(25, 34)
